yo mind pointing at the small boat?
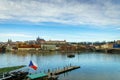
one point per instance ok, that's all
(71, 55)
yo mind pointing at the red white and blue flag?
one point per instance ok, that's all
(33, 65)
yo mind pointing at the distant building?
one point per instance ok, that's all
(40, 40)
(68, 47)
(9, 41)
(9, 48)
(116, 46)
(56, 42)
(48, 47)
(97, 46)
(107, 46)
(29, 47)
(118, 42)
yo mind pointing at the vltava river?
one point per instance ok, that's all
(94, 66)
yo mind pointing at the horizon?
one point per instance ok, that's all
(73, 21)
(59, 40)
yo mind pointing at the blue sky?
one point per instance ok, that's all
(71, 20)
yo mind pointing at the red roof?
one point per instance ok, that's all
(29, 46)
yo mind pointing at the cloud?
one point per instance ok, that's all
(88, 36)
(118, 28)
(90, 12)
(14, 35)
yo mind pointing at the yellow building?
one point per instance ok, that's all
(55, 42)
(118, 41)
(107, 46)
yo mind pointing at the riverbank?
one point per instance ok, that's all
(108, 50)
(8, 69)
(23, 52)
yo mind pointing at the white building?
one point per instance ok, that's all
(48, 47)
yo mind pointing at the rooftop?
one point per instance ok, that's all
(35, 76)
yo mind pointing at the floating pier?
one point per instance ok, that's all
(65, 69)
(54, 75)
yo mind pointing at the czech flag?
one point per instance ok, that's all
(33, 65)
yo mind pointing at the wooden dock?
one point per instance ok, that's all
(65, 69)
(54, 75)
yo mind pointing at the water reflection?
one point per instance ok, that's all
(93, 65)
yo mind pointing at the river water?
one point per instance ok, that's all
(94, 66)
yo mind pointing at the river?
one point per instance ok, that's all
(94, 66)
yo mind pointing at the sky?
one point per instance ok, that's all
(70, 20)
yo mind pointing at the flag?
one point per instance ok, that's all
(33, 65)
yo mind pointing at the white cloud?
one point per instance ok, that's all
(88, 36)
(118, 28)
(14, 35)
(93, 12)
